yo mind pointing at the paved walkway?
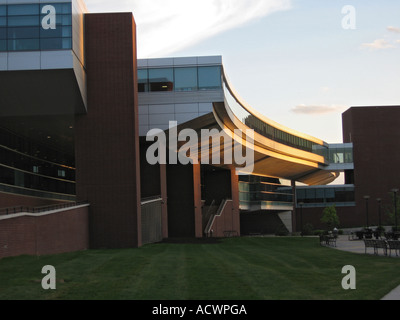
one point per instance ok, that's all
(357, 246)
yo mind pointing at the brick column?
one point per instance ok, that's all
(107, 138)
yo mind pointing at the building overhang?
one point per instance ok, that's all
(267, 162)
(40, 92)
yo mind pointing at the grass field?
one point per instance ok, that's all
(232, 269)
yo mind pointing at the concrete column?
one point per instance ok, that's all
(294, 213)
(198, 222)
(164, 205)
(235, 201)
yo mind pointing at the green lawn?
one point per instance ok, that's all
(234, 269)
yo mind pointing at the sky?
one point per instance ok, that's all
(301, 63)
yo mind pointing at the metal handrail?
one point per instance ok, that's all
(25, 209)
(150, 199)
(218, 213)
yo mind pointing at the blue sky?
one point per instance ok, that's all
(290, 59)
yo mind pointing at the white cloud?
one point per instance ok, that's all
(393, 29)
(325, 89)
(378, 44)
(165, 26)
(317, 109)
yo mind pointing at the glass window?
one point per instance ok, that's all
(23, 33)
(161, 79)
(61, 8)
(3, 10)
(3, 45)
(66, 43)
(51, 43)
(310, 194)
(23, 9)
(3, 21)
(3, 33)
(55, 43)
(23, 44)
(22, 21)
(185, 79)
(143, 82)
(209, 78)
(330, 193)
(301, 194)
(319, 195)
(66, 32)
(348, 155)
(63, 20)
(59, 32)
(61, 173)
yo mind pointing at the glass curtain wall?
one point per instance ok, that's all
(179, 79)
(25, 27)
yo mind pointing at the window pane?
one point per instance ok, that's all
(3, 10)
(3, 33)
(55, 43)
(3, 45)
(61, 8)
(330, 193)
(348, 155)
(64, 20)
(185, 79)
(161, 79)
(23, 33)
(143, 85)
(66, 32)
(209, 78)
(23, 44)
(59, 32)
(21, 21)
(50, 43)
(3, 21)
(66, 43)
(24, 9)
(320, 195)
(301, 194)
(310, 194)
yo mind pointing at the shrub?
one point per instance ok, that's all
(330, 218)
(308, 229)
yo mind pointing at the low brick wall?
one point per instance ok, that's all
(51, 232)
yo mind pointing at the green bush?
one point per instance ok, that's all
(320, 232)
(330, 218)
(281, 231)
(308, 229)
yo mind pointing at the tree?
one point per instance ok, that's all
(330, 218)
(390, 211)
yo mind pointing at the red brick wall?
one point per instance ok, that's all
(59, 232)
(107, 138)
(375, 134)
(346, 215)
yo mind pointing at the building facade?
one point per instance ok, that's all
(80, 115)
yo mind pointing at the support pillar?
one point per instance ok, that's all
(235, 201)
(164, 197)
(294, 211)
(107, 137)
(198, 216)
